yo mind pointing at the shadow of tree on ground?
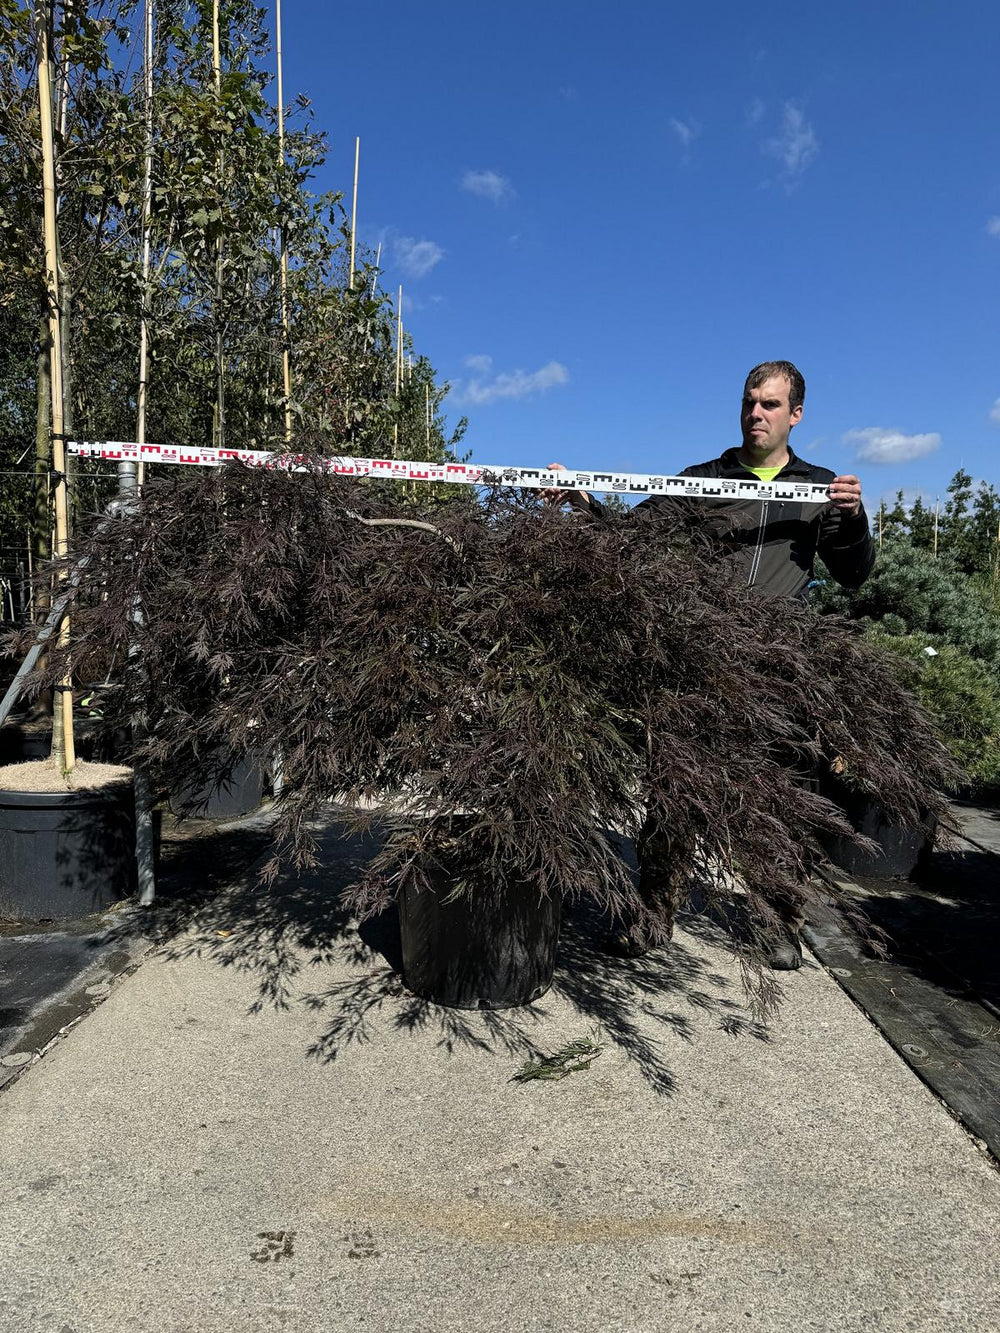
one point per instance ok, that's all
(283, 933)
(943, 926)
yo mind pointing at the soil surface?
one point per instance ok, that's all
(42, 775)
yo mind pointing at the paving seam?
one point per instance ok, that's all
(81, 1005)
(77, 1000)
(834, 945)
(991, 1154)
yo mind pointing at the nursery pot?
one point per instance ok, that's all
(491, 947)
(900, 850)
(65, 854)
(222, 798)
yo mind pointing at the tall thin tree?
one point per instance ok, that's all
(354, 209)
(63, 750)
(286, 366)
(220, 374)
(128, 475)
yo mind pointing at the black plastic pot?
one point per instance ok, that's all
(226, 798)
(900, 850)
(493, 947)
(19, 742)
(65, 854)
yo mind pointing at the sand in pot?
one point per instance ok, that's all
(42, 775)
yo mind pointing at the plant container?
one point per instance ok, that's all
(67, 853)
(492, 946)
(900, 850)
(240, 792)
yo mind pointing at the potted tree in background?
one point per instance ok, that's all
(66, 829)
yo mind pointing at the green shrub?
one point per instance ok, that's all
(961, 695)
(909, 592)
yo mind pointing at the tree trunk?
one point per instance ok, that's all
(41, 524)
(40, 534)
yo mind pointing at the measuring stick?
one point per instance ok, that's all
(460, 474)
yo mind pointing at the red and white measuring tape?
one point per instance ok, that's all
(461, 474)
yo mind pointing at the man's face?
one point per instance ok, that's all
(766, 419)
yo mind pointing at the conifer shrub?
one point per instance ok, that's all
(960, 695)
(911, 592)
(549, 680)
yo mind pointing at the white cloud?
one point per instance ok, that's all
(416, 258)
(482, 365)
(488, 185)
(684, 132)
(995, 413)
(795, 145)
(993, 226)
(515, 384)
(755, 112)
(875, 445)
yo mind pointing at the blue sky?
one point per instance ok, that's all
(603, 215)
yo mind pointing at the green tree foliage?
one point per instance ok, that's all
(221, 197)
(909, 592)
(894, 522)
(960, 694)
(914, 600)
(921, 525)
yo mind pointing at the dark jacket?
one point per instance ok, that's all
(775, 542)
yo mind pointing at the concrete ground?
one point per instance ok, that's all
(259, 1129)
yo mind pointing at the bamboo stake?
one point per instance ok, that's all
(31, 581)
(937, 506)
(216, 63)
(220, 392)
(354, 207)
(399, 361)
(64, 708)
(286, 365)
(129, 474)
(62, 90)
(378, 260)
(427, 415)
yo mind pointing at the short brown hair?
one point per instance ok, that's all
(785, 370)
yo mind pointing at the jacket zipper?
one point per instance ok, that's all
(755, 563)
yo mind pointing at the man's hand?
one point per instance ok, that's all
(845, 493)
(553, 496)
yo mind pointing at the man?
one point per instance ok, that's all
(774, 543)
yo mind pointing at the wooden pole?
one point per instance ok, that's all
(354, 207)
(129, 474)
(63, 715)
(61, 92)
(399, 361)
(220, 392)
(31, 580)
(286, 364)
(216, 62)
(378, 260)
(937, 506)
